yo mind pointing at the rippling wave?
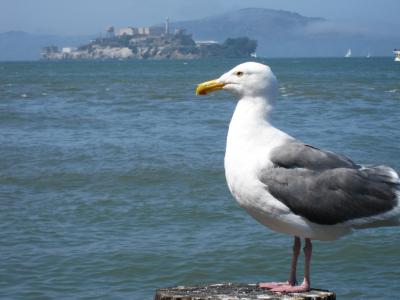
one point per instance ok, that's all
(112, 181)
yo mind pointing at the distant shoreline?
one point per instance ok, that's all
(145, 45)
(204, 58)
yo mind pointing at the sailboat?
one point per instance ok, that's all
(368, 55)
(348, 54)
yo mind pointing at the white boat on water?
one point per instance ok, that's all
(396, 54)
(348, 53)
(368, 55)
(254, 55)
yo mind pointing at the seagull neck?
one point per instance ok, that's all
(252, 111)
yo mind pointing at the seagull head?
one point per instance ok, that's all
(250, 79)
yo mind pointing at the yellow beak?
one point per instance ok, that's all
(208, 87)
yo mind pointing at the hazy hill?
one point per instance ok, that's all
(249, 21)
(281, 33)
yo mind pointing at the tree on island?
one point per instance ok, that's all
(238, 47)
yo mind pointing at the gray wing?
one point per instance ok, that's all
(326, 188)
(298, 155)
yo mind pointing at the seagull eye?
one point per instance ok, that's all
(239, 73)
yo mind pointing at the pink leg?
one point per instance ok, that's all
(292, 278)
(305, 286)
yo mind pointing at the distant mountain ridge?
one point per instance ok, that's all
(288, 34)
(247, 21)
(279, 33)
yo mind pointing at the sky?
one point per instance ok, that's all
(81, 17)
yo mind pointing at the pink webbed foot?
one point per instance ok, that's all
(272, 285)
(292, 288)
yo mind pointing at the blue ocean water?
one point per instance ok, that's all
(112, 181)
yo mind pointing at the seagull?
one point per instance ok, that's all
(292, 187)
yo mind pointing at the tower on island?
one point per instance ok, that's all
(110, 32)
(167, 26)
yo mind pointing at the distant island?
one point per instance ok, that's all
(154, 42)
(278, 33)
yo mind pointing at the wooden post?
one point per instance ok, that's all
(236, 291)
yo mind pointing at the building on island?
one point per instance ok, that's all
(68, 49)
(151, 42)
(147, 30)
(127, 31)
(153, 30)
